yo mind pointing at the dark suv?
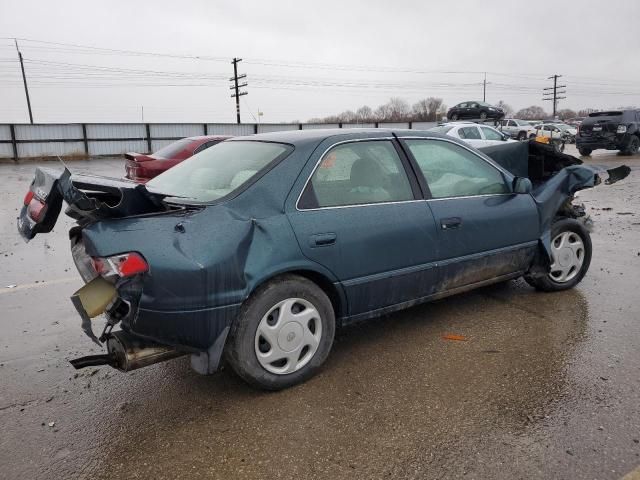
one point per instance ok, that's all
(615, 130)
(475, 110)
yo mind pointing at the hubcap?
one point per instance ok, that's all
(567, 251)
(288, 336)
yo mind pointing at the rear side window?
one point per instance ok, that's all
(206, 145)
(453, 171)
(357, 173)
(172, 149)
(469, 133)
(218, 171)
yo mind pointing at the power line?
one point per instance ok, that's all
(24, 80)
(546, 95)
(235, 86)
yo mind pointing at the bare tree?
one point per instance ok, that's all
(427, 110)
(532, 113)
(364, 114)
(566, 113)
(348, 116)
(586, 111)
(395, 110)
(508, 110)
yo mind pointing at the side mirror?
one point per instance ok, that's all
(522, 185)
(505, 137)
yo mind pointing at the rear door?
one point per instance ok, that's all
(485, 231)
(360, 215)
(471, 135)
(473, 110)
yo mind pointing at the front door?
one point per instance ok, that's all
(360, 216)
(485, 231)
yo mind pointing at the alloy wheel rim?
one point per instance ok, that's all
(567, 252)
(288, 336)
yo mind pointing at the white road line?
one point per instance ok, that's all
(27, 286)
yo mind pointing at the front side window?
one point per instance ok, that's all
(453, 171)
(461, 105)
(469, 133)
(512, 123)
(217, 171)
(357, 173)
(491, 134)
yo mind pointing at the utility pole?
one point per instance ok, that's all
(24, 80)
(484, 88)
(554, 96)
(235, 86)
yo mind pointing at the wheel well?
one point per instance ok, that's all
(322, 282)
(327, 287)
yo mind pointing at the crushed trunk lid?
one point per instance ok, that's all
(89, 198)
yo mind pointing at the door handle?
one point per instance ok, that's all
(450, 223)
(322, 239)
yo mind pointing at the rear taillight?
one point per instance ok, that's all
(37, 209)
(123, 265)
(28, 197)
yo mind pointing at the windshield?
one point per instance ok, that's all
(443, 129)
(217, 171)
(172, 149)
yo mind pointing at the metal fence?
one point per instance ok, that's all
(19, 141)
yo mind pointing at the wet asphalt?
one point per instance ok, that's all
(541, 386)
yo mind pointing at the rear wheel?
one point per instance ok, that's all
(585, 152)
(634, 145)
(283, 333)
(570, 257)
(522, 136)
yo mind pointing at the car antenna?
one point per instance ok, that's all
(63, 164)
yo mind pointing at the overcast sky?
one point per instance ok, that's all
(309, 59)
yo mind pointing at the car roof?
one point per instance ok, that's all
(208, 137)
(299, 137)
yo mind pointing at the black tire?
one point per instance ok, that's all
(483, 115)
(634, 145)
(546, 283)
(454, 117)
(240, 349)
(522, 136)
(585, 152)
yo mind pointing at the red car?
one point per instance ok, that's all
(142, 168)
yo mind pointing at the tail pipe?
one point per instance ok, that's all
(127, 352)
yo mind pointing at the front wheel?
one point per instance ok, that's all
(634, 145)
(283, 333)
(454, 117)
(585, 152)
(522, 136)
(570, 257)
(483, 115)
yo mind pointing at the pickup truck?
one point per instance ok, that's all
(611, 130)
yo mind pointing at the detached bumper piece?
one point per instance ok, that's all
(127, 352)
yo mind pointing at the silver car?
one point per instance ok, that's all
(519, 129)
